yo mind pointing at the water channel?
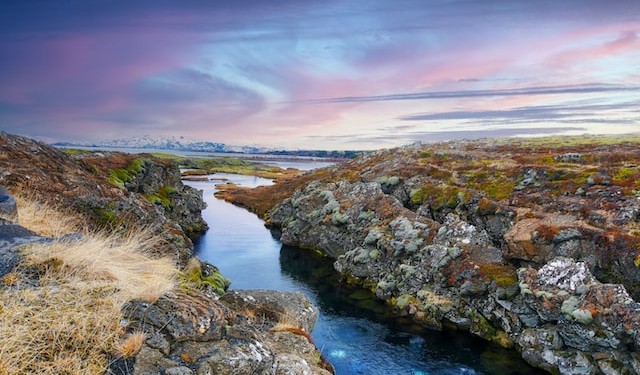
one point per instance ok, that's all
(355, 332)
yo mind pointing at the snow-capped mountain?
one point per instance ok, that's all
(167, 143)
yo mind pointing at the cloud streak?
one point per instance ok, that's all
(280, 74)
(528, 91)
(539, 113)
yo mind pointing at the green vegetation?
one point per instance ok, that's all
(493, 183)
(227, 164)
(504, 276)
(119, 177)
(75, 151)
(162, 196)
(565, 141)
(204, 276)
(108, 217)
(438, 196)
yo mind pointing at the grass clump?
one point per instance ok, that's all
(131, 344)
(70, 323)
(287, 322)
(44, 219)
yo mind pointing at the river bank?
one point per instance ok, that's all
(529, 246)
(357, 333)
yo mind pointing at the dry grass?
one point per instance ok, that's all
(67, 329)
(71, 322)
(281, 327)
(131, 345)
(119, 261)
(9, 279)
(44, 219)
(289, 323)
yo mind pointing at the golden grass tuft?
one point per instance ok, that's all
(114, 259)
(9, 279)
(131, 345)
(296, 330)
(289, 323)
(45, 219)
(71, 322)
(58, 329)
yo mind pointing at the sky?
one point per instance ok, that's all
(330, 74)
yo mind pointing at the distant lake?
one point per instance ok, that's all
(283, 161)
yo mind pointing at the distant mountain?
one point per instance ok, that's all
(185, 144)
(167, 143)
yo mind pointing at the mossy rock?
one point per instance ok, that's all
(119, 177)
(204, 276)
(504, 276)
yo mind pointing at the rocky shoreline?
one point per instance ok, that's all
(197, 327)
(531, 248)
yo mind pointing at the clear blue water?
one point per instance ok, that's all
(355, 332)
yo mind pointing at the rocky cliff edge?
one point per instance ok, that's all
(532, 244)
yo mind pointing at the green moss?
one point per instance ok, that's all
(194, 277)
(492, 183)
(482, 327)
(107, 216)
(195, 228)
(118, 177)
(624, 173)
(438, 196)
(504, 276)
(115, 179)
(402, 301)
(75, 151)
(374, 254)
(162, 196)
(154, 199)
(136, 166)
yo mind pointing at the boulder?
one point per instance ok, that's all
(190, 332)
(8, 208)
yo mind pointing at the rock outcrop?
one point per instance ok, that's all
(535, 248)
(113, 190)
(243, 332)
(194, 330)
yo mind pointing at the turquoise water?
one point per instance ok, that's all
(355, 332)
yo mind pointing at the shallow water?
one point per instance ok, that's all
(355, 332)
